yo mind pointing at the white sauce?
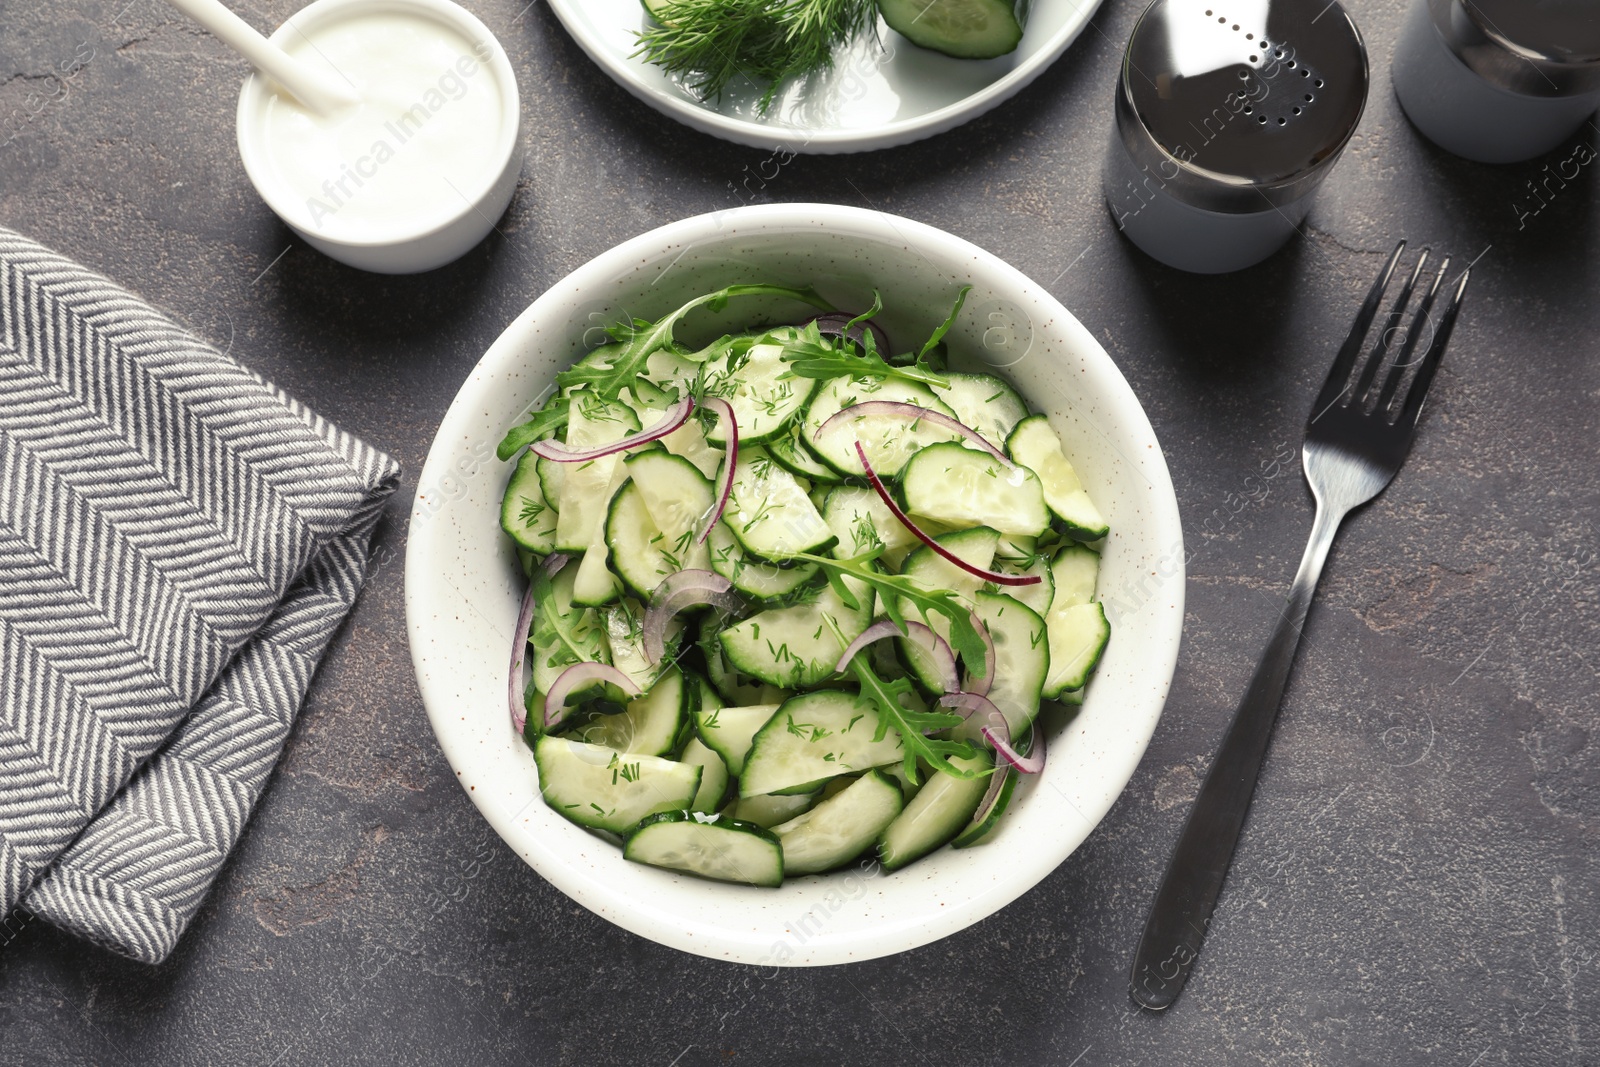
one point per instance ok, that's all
(419, 145)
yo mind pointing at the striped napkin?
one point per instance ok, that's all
(178, 542)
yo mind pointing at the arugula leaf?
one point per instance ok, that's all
(813, 359)
(549, 627)
(964, 638)
(626, 368)
(877, 306)
(944, 327)
(911, 724)
(641, 339)
(549, 418)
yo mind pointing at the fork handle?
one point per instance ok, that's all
(1188, 894)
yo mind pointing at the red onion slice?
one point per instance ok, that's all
(876, 632)
(519, 643)
(997, 781)
(999, 735)
(981, 685)
(834, 326)
(926, 636)
(969, 704)
(676, 592)
(917, 414)
(578, 674)
(724, 411)
(519, 652)
(674, 417)
(905, 520)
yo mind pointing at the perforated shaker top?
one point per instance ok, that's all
(1249, 96)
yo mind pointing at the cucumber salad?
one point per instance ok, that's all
(792, 597)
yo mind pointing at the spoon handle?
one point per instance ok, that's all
(310, 86)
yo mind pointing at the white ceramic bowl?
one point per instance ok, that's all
(405, 247)
(874, 97)
(463, 584)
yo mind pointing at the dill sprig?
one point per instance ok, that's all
(709, 43)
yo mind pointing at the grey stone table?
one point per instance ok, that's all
(1417, 882)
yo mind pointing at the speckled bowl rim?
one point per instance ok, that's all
(462, 589)
(634, 75)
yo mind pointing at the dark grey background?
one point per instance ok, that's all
(1417, 881)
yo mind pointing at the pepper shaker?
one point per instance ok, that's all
(1499, 81)
(1229, 115)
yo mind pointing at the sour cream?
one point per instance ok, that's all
(430, 149)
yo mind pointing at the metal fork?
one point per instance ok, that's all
(1357, 437)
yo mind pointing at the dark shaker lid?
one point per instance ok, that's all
(1533, 47)
(1239, 105)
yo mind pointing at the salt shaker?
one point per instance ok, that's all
(1499, 81)
(1229, 115)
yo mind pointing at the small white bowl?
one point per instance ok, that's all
(463, 583)
(405, 247)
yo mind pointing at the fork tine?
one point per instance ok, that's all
(1391, 381)
(1430, 362)
(1380, 347)
(1334, 387)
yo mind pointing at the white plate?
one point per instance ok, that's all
(875, 97)
(463, 584)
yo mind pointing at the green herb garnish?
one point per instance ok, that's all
(911, 724)
(712, 42)
(625, 368)
(964, 638)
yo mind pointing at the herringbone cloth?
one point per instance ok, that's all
(178, 542)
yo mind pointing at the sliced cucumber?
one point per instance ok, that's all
(713, 777)
(586, 487)
(862, 522)
(1074, 572)
(1016, 548)
(552, 479)
(888, 440)
(965, 29)
(1078, 637)
(790, 450)
(896, 773)
(640, 552)
(595, 585)
(1021, 662)
(565, 633)
(936, 814)
(1078, 627)
(601, 788)
(674, 492)
(648, 726)
(755, 381)
(729, 731)
(1038, 596)
(932, 571)
(524, 512)
(984, 403)
(769, 512)
(755, 577)
(736, 687)
(814, 737)
(689, 441)
(980, 831)
(841, 827)
(963, 487)
(798, 646)
(624, 623)
(711, 847)
(1034, 444)
(768, 811)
